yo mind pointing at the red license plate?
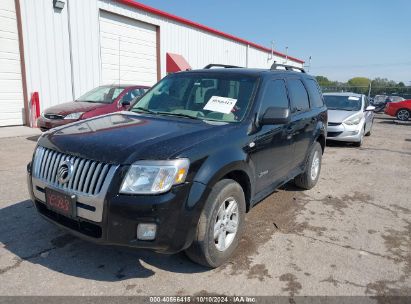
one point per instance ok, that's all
(60, 202)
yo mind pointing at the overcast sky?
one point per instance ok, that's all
(370, 38)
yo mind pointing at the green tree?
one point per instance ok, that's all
(359, 84)
(327, 84)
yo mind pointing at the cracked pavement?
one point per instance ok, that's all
(350, 235)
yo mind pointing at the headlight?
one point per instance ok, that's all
(76, 115)
(153, 177)
(353, 120)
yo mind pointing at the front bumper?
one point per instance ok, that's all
(46, 124)
(343, 132)
(175, 213)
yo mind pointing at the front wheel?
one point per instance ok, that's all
(359, 143)
(369, 131)
(309, 178)
(220, 226)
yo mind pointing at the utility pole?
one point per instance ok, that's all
(308, 66)
(271, 56)
(286, 55)
(369, 90)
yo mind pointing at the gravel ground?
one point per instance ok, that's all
(350, 235)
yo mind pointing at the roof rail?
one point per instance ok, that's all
(287, 67)
(226, 66)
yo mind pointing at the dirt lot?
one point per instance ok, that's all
(350, 235)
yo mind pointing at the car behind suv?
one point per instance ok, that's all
(101, 100)
(350, 117)
(183, 166)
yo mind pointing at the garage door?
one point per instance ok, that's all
(128, 50)
(11, 90)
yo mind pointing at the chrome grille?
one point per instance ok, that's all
(88, 175)
(53, 116)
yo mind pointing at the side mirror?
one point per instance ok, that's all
(370, 108)
(274, 115)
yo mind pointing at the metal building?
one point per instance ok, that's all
(63, 48)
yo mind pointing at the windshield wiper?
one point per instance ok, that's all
(178, 114)
(143, 110)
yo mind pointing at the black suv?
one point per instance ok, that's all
(183, 166)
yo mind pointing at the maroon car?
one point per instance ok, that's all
(101, 100)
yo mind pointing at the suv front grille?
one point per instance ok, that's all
(88, 176)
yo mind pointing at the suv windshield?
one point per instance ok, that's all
(346, 103)
(206, 96)
(106, 94)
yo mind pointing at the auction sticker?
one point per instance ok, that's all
(220, 104)
(353, 98)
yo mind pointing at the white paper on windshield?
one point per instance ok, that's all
(353, 98)
(220, 104)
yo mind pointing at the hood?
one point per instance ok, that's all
(73, 107)
(339, 116)
(124, 137)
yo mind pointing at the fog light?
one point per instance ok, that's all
(146, 232)
(353, 132)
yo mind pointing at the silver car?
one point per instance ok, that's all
(350, 117)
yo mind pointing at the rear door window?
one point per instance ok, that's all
(298, 96)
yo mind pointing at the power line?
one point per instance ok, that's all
(364, 65)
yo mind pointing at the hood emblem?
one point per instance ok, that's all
(65, 171)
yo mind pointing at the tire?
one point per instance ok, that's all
(308, 179)
(207, 249)
(359, 143)
(403, 114)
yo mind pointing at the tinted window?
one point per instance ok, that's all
(314, 93)
(275, 95)
(366, 102)
(298, 95)
(130, 95)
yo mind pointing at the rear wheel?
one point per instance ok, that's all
(309, 178)
(220, 226)
(403, 115)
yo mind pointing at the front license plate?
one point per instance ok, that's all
(60, 202)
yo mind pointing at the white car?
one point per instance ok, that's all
(350, 117)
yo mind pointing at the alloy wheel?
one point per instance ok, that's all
(403, 115)
(315, 166)
(226, 224)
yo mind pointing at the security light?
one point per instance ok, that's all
(59, 4)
